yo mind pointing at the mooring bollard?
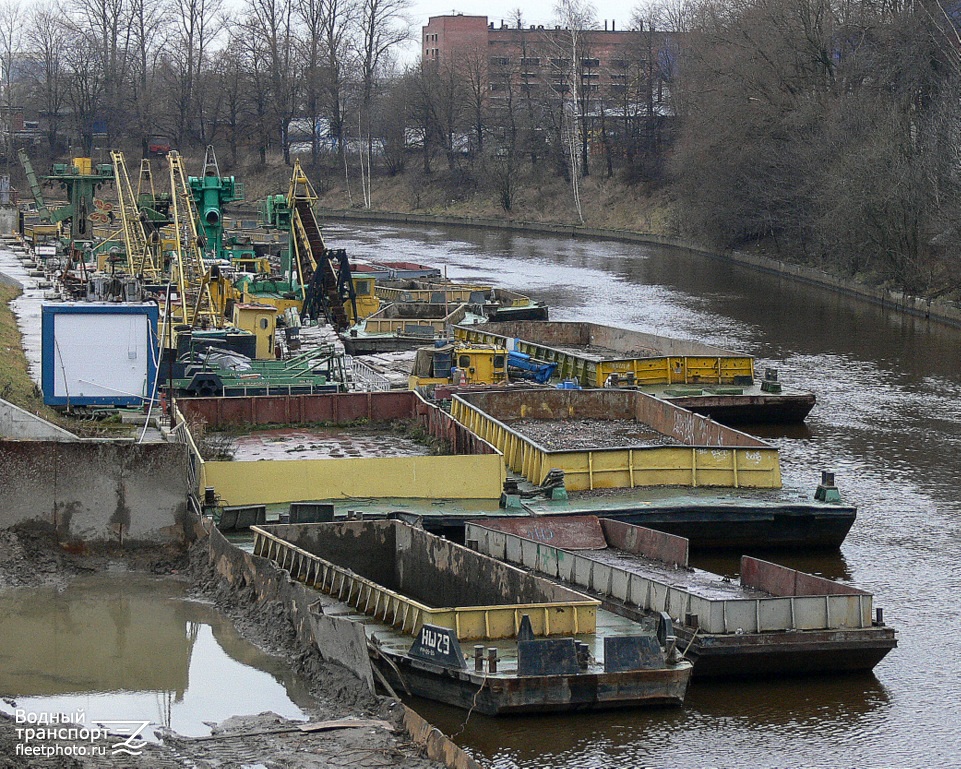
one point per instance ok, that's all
(492, 659)
(479, 658)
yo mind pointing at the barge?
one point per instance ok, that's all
(405, 326)
(537, 646)
(775, 622)
(445, 492)
(496, 304)
(708, 380)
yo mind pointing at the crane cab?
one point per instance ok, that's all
(459, 365)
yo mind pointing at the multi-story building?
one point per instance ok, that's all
(538, 58)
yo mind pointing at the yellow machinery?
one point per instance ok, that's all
(142, 258)
(323, 274)
(261, 321)
(193, 305)
(366, 302)
(459, 365)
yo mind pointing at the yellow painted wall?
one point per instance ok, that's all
(736, 467)
(451, 477)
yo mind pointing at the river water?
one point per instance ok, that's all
(888, 422)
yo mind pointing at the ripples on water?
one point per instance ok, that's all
(888, 422)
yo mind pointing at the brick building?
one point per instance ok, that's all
(537, 59)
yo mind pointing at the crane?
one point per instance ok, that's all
(194, 306)
(324, 274)
(140, 251)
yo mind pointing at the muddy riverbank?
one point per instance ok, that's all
(346, 724)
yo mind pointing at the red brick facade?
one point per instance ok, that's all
(544, 60)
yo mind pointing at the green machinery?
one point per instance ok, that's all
(211, 192)
(317, 275)
(80, 180)
(321, 369)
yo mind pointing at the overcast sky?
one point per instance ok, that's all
(535, 12)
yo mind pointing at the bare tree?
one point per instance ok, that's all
(197, 24)
(103, 29)
(46, 41)
(326, 55)
(576, 17)
(270, 25)
(148, 24)
(383, 25)
(11, 38)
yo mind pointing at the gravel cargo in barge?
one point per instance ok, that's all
(539, 646)
(775, 622)
(690, 449)
(708, 380)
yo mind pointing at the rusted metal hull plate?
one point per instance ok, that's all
(766, 655)
(576, 532)
(504, 695)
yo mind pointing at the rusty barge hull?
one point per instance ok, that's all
(401, 582)
(722, 382)
(750, 408)
(793, 526)
(721, 526)
(769, 655)
(537, 694)
(776, 622)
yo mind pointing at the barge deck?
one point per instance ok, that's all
(544, 647)
(774, 622)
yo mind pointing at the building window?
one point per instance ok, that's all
(561, 63)
(499, 61)
(531, 61)
(589, 63)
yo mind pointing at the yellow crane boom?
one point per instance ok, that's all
(194, 306)
(140, 256)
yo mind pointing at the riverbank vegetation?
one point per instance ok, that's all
(16, 386)
(821, 133)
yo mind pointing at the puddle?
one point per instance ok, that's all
(131, 647)
(322, 443)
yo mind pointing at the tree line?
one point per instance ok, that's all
(821, 130)
(196, 72)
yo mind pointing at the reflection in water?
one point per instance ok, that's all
(711, 723)
(888, 422)
(128, 646)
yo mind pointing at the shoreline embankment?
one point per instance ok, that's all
(948, 313)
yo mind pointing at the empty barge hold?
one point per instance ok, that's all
(499, 304)
(405, 326)
(544, 647)
(776, 622)
(708, 380)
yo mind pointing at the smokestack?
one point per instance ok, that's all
(605, 25)
(612, 25)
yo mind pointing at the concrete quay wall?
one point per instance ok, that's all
(93, 491)
(944, 312)
(16, 422)
(339, 639)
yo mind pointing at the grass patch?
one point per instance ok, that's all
(16, 385)
(18, 388)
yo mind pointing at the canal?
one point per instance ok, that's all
(888, 422)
